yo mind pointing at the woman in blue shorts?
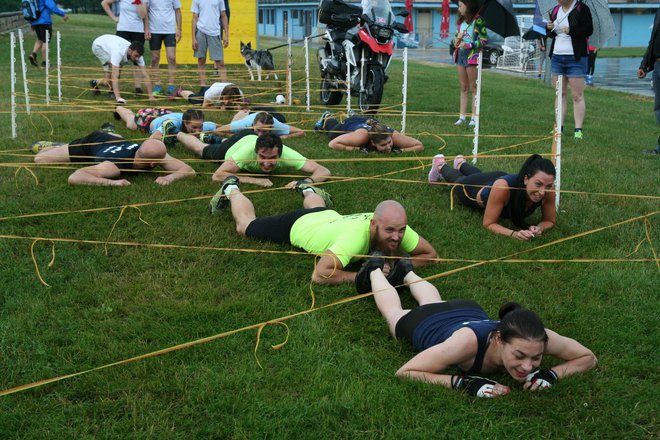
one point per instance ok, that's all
(502, 195)
(458, 333)
(570, 27)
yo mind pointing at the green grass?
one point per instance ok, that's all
(621, 52)
(335, 376)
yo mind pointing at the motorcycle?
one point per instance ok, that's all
(359, 41)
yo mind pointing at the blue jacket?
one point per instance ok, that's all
(47, 7)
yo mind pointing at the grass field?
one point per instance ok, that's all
(334, 378)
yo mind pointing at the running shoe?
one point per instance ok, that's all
(176, 93)
(362, 278)
(320, 124)
(108, 127)
(33, 59)
(399, 270)
(138, 90)
(210, 138)
(157, 91)
(458, 161)
(169, 133)
(578, 134)
(171, 90)
(472, 123)
(327, 198)
(220, 201)
(434, 173)
(654, 152)
(40, 145)
(460, 121)
(94, 84)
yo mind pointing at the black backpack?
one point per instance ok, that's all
(30, 10)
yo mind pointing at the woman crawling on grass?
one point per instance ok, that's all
(502, 195)
(458, 333)
(359, 133)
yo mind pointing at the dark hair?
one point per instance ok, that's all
(191, 115)
(472, 8)
(231, 97)
(264, 117)
(267, 141)
(518, 322)
(518, 193)
(378, 132)
(137, 46)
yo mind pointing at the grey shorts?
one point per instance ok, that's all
(212, 44)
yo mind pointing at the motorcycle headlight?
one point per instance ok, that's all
(382, 34)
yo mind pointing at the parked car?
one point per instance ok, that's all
(493, 49)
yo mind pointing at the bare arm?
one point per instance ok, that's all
(194, 31)
(318, 172)
(141, 10)
(147, 82)
(230, 168)
(350, 141)
(293, 132)
(105, 4)
(329, 270)
(115, 82)
(176, 168)
(147, 31)
(177, 16)
(105, 174)
(423, 253)
(225, 28)
(406, 143)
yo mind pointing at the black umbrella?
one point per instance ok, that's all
(499, 17)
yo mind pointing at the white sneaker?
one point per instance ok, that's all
(460, 121)
(472, 123)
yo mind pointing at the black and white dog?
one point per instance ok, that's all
(259, 60)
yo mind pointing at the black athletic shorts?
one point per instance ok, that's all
(406, 325)
(40, 30)
(131, 36)
(218, 151)
(277, 228)
(157, 41)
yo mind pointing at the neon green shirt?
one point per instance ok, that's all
(344, 235)
(242, 152)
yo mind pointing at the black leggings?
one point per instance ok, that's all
(334, 128)
(472, 180)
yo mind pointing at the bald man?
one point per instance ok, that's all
(338, 239)
(111, 155)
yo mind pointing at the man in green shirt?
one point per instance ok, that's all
(338, 239)
(263, 154)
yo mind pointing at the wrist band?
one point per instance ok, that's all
(512, 232)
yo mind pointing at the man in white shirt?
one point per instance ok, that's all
(130, 25)
(163, 25)
(114, 51)
(208, 35)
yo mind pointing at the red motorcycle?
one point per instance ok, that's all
(359, 40)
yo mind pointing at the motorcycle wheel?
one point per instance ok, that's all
(374, 81)
(329, 93)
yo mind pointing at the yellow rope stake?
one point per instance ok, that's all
(36, 180)
(274, 347)
(121, 213)
(34, 259)
(647, 230)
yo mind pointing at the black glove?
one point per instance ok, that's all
(474, 385)
(543, 378)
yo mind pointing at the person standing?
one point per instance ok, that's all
(43, 25)
(210, 33)
(163, 25)
(130, 25)
(570, 26)
(469, 41)
(651, 62)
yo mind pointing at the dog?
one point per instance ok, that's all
(259, 60)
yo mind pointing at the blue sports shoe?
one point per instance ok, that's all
(169, 133)
(158, 90)
(171, 90)
(320, 124)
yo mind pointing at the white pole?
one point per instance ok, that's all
(47, 44)
(476, 110)
(348, 87)
(557, 143)
(404, 90)
(24, 69)
(12, 60)
(307, 73)
(289, 80)
(59, 67)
